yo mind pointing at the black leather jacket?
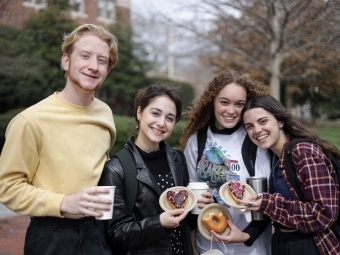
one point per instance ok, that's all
(141, 232)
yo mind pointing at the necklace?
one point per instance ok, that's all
(274, 164)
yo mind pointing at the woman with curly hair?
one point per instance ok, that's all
(218, 110)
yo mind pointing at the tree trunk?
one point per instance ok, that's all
(288, 97)
(275, 82)
(275, 58)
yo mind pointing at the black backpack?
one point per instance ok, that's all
(292, 176)
(249, 149)
(130, 172)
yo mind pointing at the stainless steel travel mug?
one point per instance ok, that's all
(259, 184)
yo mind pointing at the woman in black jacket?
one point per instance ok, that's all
(148, 229)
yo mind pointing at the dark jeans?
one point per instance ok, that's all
(56, 236)
(293, 243)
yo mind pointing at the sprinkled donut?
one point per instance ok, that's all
(236, 190)
(177, 200)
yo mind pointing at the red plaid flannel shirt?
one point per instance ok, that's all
(317, 178)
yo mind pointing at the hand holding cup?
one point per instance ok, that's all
(203, 196)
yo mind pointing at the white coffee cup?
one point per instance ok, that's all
(197, 188)
(107, 215)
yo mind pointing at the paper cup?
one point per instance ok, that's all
(197, 188)
(107, 215)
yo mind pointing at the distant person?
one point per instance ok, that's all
(217, 115)
(301, 227)
(147, 229)
(56, 149)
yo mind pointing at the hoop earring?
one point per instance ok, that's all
(281, 127)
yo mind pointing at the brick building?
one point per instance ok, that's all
(100, 12)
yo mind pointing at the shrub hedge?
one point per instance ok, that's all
(124, 126)
(4, 120)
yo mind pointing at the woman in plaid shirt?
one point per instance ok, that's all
(300, 227)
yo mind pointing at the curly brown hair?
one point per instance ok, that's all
(202, 109)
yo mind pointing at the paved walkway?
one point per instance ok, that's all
(12, 231)
(5, 212)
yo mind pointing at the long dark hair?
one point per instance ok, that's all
(293, 127)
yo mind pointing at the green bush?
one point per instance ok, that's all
(125, 125)
(4, 120)
(188, 93)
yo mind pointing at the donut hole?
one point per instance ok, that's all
(215, 220)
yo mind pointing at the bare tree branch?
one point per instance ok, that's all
(3, 5)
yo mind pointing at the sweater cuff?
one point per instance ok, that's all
(53, 204)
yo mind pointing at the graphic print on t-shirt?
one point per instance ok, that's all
(216, 166)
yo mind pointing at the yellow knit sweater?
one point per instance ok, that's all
(52, 149)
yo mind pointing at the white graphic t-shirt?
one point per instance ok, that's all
(222, 161)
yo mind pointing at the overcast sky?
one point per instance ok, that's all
(171, 8)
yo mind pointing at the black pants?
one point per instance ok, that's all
(293, 243)
(57, 236)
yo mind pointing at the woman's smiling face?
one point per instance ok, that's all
(228, 105)
(156, 123)
(264, 129)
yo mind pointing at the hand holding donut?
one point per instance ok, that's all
(235, 235)
(205, 199)
(216, 222)
(172, 218)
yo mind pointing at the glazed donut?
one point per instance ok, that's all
(216, 222)
(236, 190)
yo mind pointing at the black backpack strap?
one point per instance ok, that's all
(201, 140)
(249, 150)
(336, 226)
(130, 173)
(181, 157)
(336, 165)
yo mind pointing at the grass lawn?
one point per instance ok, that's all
(330, 131)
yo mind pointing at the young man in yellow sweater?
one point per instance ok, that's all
(55, 151)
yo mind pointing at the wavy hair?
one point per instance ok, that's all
(293, 127)
(202, 109)
(91, 29)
